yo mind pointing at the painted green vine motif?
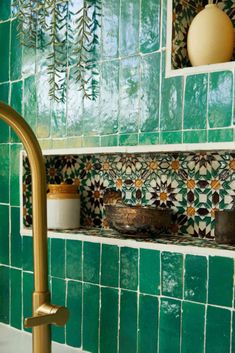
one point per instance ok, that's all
(46, 25)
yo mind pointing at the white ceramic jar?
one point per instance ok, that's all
(63, 207)
(210, 37)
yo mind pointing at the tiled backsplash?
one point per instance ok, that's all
(194, 185)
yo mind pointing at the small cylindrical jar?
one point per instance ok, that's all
(63, 206)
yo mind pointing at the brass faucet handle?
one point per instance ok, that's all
(48, 314)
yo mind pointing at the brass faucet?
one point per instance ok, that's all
(44, 313)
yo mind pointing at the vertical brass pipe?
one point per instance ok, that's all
(41, 334)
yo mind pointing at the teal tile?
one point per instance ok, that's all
(58, 252)
(16, 53)
(110, 265)
(164, 23)
(30, 102)
(171, 137)
(128, 322)
(91, 141)
(129, 268)
(91, 262)
(129, 27)
(220, 99)
(109, 141)
(28, 253)
(150, 25)
(128, 139)
(148, 324)
(74, 259)
(172, 274)
(218, 330)
(220, 135)
(4, 235)
(129, 95)
(74, 107)
(150, 92)
(4, 294)
(16, 239)
(58, 120)
(193, 329)
(4, 45)
(150, 271)
(4, 173)
(16, 103)
(28, 288)
(195, 285)
(169, 331)
(74, 304)
(233, 331)
(110, 28)
(43, 106)
(109, 97)
(28, 61)
(58, 292)
(5, 10)
(149, 138)
(16, 298)
(195, 136)
(109, 320)
(4, 97)
(90, 317)
(14, 174)
(195, 105)
(220, 292)
(91, 120)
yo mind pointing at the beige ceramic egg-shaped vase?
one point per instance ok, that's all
(210, 37)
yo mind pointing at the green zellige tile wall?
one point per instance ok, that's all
(137, 104)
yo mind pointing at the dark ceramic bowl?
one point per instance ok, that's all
(225, 227)
(139, 221)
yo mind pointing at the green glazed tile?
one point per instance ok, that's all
(4, 45)
(220, 292)
(16, 298)
(171, 137)
(149, 138)
(28, 61)
(195, 136)
(91, 117)
(109, 98)
(16, 239)
(150, 90)
(218, 330)
(58, 252)
(110, 26)
(74, 304)
(233, 331)
(16, 53)
(129, 27)
(58, 289)
(4, 173)
(14, 174)
(148, 324)
(91, 262)
(90, 317)
(109, 141)
(28, 253)
(149, 271)
(74, 107)
(4, 128)
(91, 141)
(109, 320)
(58, 120)
(193, 329)
(195, 285)
(30, 102)
(172, 274)
(220, 99)
(169, 331)
(4, 294)
(28, 288)
(128, 139)
(4, 248)
(74, 259)
(220, 135)
(43, 106)
(5, 10)
(129, 95)
(129, 268)
(16, 103)
(195, 106)
(128, 322)
(164, 22)
(110, 265)
(150, 26)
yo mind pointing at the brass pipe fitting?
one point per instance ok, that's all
(48, 314)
